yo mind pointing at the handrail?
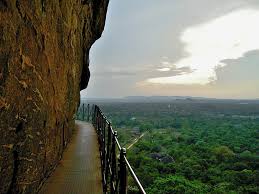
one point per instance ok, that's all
(134, 176)
(114, 168)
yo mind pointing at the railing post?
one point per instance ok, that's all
(123, 172)
(92, 113)
(88, 112)
(83, 112)
(95, 116)
(113, 164)
(99, 126)
(103, 151)
(108, 160)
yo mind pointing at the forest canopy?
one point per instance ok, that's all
(190, 147)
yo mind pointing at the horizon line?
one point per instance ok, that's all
(147, 96)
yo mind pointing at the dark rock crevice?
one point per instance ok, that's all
(85, 76)
(3, 71)
(3, 5)
(43, 6)
(18, 7)
(15, 170)
(19, 127)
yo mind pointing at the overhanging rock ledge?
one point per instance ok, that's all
(44, 51)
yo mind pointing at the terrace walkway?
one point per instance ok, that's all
(79, 170)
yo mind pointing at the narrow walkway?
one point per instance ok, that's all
(79, 170)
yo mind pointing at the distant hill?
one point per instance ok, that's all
(167, 99)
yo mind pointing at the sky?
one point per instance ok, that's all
(177, 48)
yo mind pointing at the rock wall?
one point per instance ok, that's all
(44, 47)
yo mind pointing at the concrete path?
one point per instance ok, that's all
(79, 171)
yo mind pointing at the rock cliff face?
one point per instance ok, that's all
(44, 47)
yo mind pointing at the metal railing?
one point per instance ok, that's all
(83, 112)
(114, 163)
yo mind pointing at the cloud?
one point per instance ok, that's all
(165, 62)
(237, 79)
(133, 46)
(113, 73)
(243, 70)
(164, 69)
(207, 45)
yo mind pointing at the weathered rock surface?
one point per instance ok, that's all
(44, 46)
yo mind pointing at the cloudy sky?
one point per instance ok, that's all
(177, 47)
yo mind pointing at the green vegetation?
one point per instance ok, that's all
(190, 147)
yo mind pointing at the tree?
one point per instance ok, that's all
(223, 153)
(177, 184)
